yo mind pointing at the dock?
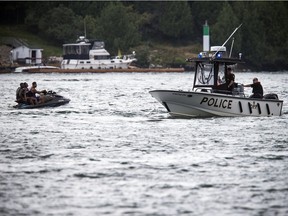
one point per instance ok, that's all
(116, 70)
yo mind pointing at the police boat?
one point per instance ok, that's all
(208, 98)
(52, 99)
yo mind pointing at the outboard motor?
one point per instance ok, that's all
(271, 96)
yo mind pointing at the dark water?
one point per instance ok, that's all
(115, 151)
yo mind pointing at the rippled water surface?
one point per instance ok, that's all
(114, 150)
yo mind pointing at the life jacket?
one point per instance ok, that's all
(17, 93)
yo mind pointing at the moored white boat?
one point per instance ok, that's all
(27, 68)
(86, 55)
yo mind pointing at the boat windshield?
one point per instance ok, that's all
(98, 45)
(204, 74)
(76, 49)
(221, 75)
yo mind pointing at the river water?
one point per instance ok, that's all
(114, 150)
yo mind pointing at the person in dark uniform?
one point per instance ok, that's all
(228, 84)
(230, 79)
(257, 89)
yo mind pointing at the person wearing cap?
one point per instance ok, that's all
(230, 79)
(227, 83)
(257, 88)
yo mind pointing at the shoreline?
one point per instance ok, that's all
(129, 70)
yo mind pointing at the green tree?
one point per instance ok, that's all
(61, 24)
(176, 19)
(90, 24)
(118, 27)
(35, 11)
(253, 40)
(265, 39)
(12, 12)
(204, 11)
(84, 8)
(227, 21)
(274, 17)
(143, 56)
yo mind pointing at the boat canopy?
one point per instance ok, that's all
(84, 49)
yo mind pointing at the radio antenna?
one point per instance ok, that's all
(226, 41)
(231, 48)
(85, 27)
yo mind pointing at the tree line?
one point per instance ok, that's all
(127, 24)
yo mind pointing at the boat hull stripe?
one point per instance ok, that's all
(240, 106)
(268, 109)
(166, 106)
(250, 108)
(259, 108)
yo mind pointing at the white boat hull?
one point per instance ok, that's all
(96, 64)
(26, 68)
(205, 104)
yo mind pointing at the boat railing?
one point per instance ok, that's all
(203, 90)
(234, 92)
(220, 91)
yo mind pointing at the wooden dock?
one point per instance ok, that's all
(117, 70)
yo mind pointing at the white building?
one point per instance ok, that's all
(26, 55)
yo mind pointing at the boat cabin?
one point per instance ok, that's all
(211, 71)
(83, 49)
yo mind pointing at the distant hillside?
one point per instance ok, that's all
(160, 32)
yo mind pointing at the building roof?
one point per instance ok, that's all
(16, 42)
